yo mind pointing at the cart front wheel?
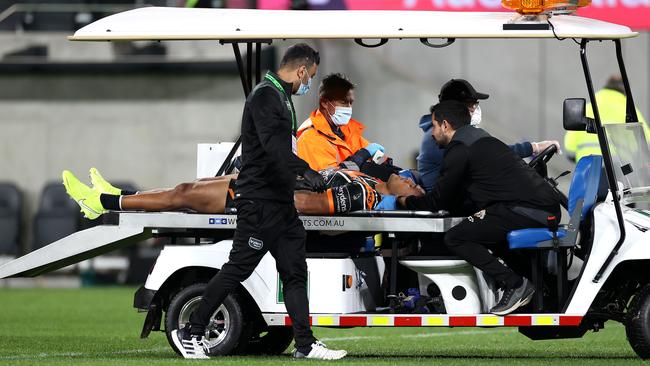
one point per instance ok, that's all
(637, 324)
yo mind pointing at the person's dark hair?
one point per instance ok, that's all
(299, 55)
(615, 82)
(453, 111)
(335, 87)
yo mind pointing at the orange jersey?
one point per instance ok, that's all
(321, 148)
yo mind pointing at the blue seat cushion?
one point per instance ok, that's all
(530, 238)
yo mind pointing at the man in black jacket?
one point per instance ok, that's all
(509, 196)
(266, 215)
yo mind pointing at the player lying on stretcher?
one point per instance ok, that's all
(346, 191)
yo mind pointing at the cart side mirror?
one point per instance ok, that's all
(574, 118)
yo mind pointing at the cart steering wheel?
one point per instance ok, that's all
(539, 164)
(542, 159)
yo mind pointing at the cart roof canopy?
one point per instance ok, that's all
(157, 23)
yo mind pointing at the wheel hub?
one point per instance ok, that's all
(217, 328)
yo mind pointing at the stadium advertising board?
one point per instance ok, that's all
(633, 13)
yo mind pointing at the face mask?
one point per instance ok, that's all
(304, 88)
(341, 115)
(476, 117)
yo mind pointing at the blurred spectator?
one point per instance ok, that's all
(611, 106)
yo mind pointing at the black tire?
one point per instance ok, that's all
(271, 342)
(637, 323)
(234, 333)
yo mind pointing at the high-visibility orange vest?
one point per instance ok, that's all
(321, 148)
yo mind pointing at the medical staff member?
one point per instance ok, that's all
(330, 137)
(611, 102)
(508, 193)
(429, 159)
(266, 215)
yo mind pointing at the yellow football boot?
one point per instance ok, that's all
(101, 184)
(87, 198)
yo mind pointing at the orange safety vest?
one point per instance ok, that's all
(321, 148)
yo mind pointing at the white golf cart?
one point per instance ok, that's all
(604, 240)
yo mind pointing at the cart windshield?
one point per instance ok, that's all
(631, 158)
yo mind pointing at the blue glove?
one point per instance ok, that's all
(387, 203)
(373, 148)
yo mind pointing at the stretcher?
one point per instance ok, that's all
(134, 227)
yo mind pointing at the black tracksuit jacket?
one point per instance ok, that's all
(269, 166)
(481, 168)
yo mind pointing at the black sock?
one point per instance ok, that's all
(304, 350)
(128, 193)
(110, 201)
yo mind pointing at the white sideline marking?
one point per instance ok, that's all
(81, 354)
(150, 350)
(419, 335)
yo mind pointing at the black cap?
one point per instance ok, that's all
(460, 90)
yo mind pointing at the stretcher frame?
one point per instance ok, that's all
(134, 227)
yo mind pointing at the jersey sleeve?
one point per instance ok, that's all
(522, 149)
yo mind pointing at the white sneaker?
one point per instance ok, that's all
(319, 351)
(190, 346)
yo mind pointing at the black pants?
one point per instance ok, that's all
(488, 229)
(264, 226)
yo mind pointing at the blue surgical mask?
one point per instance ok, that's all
(304, 88)
(341, 115)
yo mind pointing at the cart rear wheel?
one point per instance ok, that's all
(227, 331)
(637, 324)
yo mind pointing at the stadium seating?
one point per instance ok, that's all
(58, 216)
(11, 208)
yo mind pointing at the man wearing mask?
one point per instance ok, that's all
(330, 137)
(509, 195)
(430, 157)
(266, 215)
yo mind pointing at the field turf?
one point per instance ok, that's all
(100, 327)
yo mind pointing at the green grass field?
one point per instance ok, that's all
(100, 327)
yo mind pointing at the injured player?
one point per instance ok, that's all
(347, 191)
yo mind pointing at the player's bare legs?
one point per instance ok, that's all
(206, 196)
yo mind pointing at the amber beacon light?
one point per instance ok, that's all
(552, 7)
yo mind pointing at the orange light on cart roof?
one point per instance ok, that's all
(544, 6)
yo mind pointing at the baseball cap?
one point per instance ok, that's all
(461, 90)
